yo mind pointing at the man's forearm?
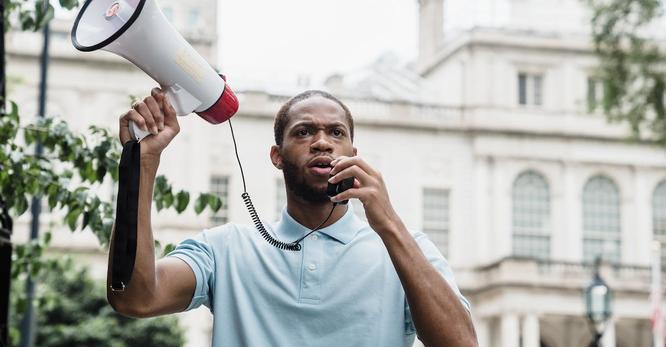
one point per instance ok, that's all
(142, 285)
(439, 317)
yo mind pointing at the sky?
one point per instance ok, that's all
(266, 40)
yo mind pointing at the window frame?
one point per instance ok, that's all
(439, 234)
(521, 233)
(608, 233)
(222, 215)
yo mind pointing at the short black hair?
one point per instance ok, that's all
(282, 117)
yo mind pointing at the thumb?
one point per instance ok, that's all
(170, 117)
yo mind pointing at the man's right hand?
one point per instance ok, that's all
(155, 115)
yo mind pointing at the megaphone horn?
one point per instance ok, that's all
(138, 31)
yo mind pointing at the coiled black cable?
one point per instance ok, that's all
(289, 246)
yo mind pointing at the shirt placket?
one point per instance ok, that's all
(311, 269)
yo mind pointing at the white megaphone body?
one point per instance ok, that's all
(138, 31)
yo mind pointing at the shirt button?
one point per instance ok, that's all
(312, 267)
(314, 237)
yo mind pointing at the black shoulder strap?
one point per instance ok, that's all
(124, 242)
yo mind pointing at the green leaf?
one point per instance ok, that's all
(159, 205)
(21, 204)
(47, 238)
(200, 203)
(36, 267)
(45, 17)
(168, 248)
(182, 199)
(86, 219)
(72, 217)
(214, 202)
(69, 4)
(101, 172)
(168, 200)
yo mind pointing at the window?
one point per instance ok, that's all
(436, 217)
(280, 197)
(531, 216)
(530, 89)
(659, 218)
(601, 220)
(595, 93)
(219, 185)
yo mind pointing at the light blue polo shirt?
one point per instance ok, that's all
(341, 289)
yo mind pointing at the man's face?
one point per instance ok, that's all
(317, 132)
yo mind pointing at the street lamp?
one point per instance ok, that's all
(598, 298)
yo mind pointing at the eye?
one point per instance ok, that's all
(302, 132)
(337, 132)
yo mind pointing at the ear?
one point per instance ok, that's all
(355, 151)
(276, 157)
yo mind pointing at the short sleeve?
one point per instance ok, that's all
(437, 260)
(198, 254)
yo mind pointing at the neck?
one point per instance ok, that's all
(310, 214)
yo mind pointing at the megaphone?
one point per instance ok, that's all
(138, 31)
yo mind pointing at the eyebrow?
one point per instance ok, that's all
(311, 123)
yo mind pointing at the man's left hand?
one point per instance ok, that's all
(368, 187)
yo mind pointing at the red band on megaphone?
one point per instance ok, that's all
(224, 108)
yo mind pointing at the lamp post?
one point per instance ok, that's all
(598, 297)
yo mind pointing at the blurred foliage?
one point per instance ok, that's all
(631, 64)
(32, 15)
(68, 175)
(72, 311)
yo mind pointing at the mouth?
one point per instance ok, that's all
(321, 166)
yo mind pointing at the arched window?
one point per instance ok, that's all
(601, 220)
(659, 218)
(531, 216)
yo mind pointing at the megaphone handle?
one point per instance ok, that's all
(136, 132)
(182, 101)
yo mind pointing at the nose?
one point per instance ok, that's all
(321, 143)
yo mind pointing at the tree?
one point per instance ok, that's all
(73, 312)
(69, 172)
(631, 64)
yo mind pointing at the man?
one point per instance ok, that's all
(352, 284)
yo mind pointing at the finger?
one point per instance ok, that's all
(344, 162)
(143, 109)
(158, 94)
(354, 193)
(133, 116)
(338, 159)
(353, 171)
(170, 117)
(156, 110)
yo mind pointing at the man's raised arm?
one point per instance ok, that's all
(165, 286)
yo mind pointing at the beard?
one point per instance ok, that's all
(297, 185)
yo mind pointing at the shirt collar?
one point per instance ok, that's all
(344, 230)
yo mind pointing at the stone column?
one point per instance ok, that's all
(530, 331)
(509, 330)
(482, 326)
(608, 340)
